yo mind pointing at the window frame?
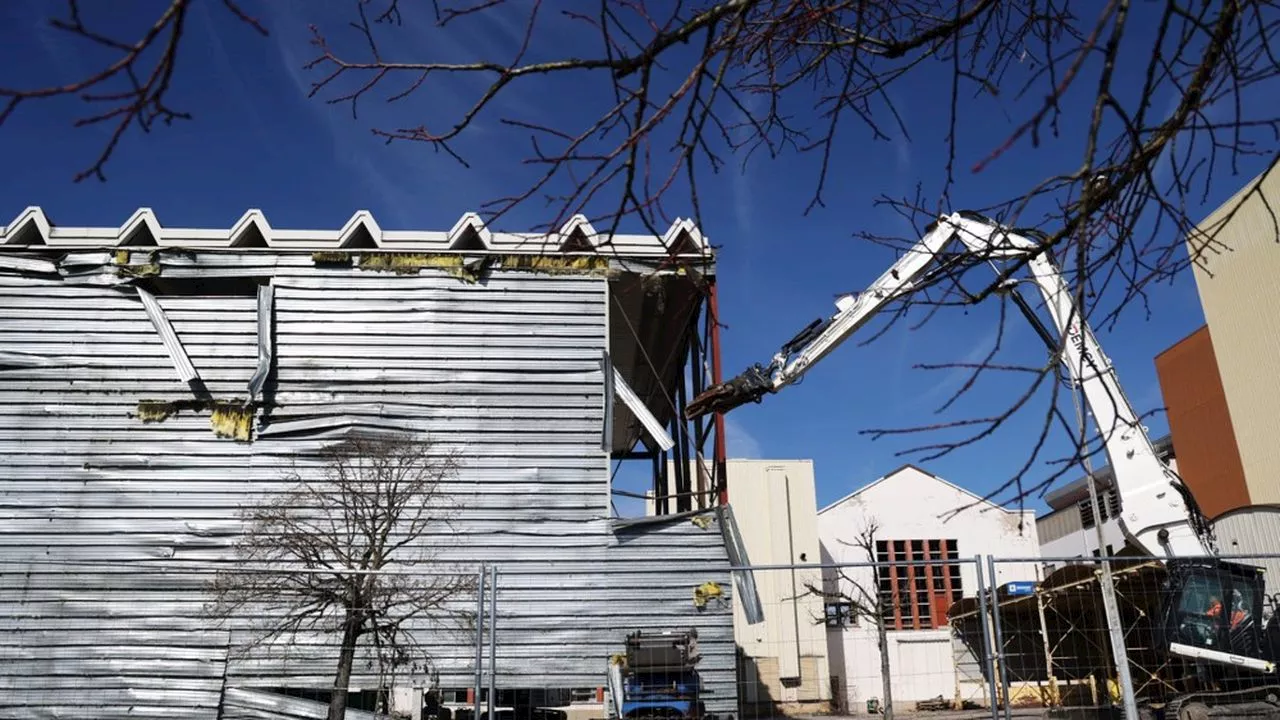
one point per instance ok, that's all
(911, 594)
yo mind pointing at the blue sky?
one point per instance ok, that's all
(257, 141)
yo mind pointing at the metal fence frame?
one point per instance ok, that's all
(1000, 652)
(1119, 636)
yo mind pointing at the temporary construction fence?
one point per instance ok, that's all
(1098, 633)
(918, 628)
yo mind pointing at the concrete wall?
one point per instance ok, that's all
(912, 504)
(1238, 261)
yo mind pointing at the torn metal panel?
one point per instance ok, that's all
(107, 508)
(10, 358)
(266, 342)
(28, 264)
(327, 425)
(627, 523)
(641, 411)
(744, 579)
(254, 704)
(186, 371)
(606, 432)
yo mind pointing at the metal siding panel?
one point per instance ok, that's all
(1059, 524)
(507, 371)
(1252, 531)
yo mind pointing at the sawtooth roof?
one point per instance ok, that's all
(657, 285)
(32, 228)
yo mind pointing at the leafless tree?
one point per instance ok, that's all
(865, 604)
(1157, 106)
(348, 550)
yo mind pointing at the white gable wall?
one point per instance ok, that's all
(910, 504)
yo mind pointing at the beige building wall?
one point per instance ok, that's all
(1237, 272)
(784, 658)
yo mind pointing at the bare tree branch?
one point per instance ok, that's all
(317, 557)
(142, 97)
(685, 86)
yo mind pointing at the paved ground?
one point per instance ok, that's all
(980, 714)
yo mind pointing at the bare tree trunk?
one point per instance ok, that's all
(882, 637)
(346, 658)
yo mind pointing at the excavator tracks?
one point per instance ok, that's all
(1260, 703)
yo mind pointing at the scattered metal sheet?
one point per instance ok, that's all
(266, 340)
(641, 411)
(186, 371)
(606, 433)
(745, 580)
(27, 264)
(626, 523)
(9, 358)
(328, 424)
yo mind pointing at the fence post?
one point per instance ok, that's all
(479, 640)
(987, 658)
(1118, 649)
(995, 615)
(493, 639)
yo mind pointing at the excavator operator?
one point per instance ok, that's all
(1238, 613)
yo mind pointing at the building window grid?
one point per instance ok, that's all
(917, 596)
(840, 613)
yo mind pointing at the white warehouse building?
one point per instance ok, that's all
(914, 517)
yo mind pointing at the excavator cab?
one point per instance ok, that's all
(1213, 611)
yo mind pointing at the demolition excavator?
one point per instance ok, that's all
(1231, 656)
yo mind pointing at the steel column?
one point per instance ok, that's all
(988, 658)
(995, 615)
(479, 639)
(493, 645)
(720, 481)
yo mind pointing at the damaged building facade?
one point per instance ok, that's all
(156, 380)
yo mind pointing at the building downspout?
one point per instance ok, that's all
(791, 561)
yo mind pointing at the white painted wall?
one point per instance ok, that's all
(911, 504)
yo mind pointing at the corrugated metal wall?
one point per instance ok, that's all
(1059, 524)
(508, 371)
(1249, 531)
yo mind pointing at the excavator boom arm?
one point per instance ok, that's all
(1159, 516)
(821, 337)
